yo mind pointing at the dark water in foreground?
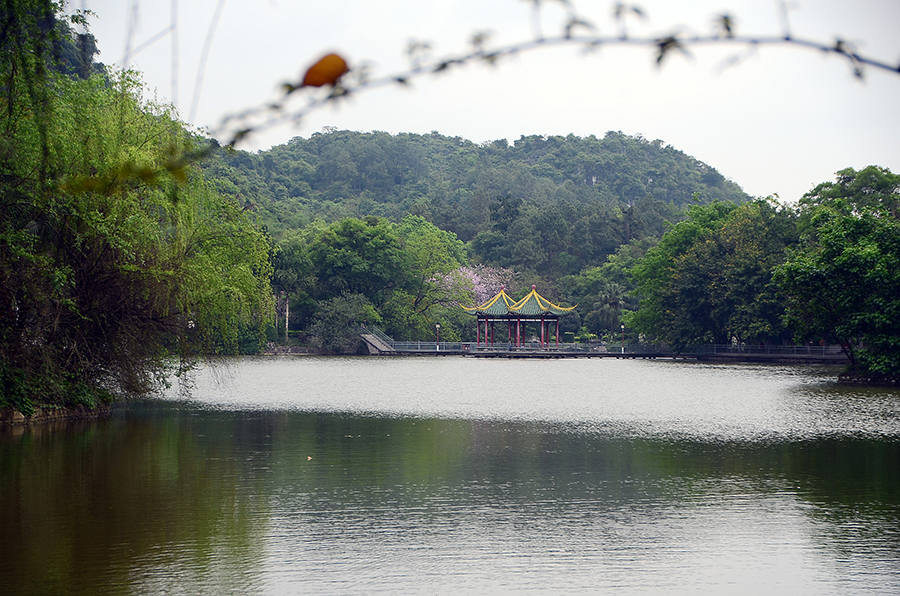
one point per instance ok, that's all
(289, 476)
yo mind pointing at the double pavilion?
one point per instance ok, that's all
(533, 308)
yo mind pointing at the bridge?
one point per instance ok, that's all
(380, 344)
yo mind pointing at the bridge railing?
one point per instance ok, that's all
(379, 334)
(610, 348)
(775, 350)
(428, 346)
(728, 349)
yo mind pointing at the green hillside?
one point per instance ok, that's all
(552, 205)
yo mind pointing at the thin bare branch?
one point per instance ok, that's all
(424, 65)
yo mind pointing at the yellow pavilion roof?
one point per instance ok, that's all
(532, 304)
(498, 305)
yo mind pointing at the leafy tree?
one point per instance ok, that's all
(616, 269)
(655, 273)
(710, 277)
(843, 283)
(607, 309)
(871, 190)
(504, 211)
(551, 230)
(404, 270)
(294, 277)
(115, 254)
(359, 256)
(604, 294)
(337, 322)
(433, 256)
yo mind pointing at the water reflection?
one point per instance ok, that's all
(276, 492)
(86, 506)
(611, 397)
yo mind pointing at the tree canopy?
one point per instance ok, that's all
(402, 275)
(842, 283)
(551, 205)
(710, 277)
(116, 255)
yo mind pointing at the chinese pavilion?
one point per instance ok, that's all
(533, 308)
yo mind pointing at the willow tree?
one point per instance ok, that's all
(116, 257)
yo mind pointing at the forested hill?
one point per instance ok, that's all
(452, 182)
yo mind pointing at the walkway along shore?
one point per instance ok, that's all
(380, 344)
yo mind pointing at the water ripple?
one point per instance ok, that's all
(608, 397)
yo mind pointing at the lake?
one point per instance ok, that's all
(290, 475)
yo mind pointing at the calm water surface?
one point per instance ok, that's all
(453, 475)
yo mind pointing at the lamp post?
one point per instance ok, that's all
(623, 338)
(437, 329)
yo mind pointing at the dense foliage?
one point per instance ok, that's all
(827, 271)
(405, 276)
(115, 254)
(709, 280)
(843, 282)
(551, 205)
(631, 231)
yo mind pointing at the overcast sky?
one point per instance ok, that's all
(781, 121)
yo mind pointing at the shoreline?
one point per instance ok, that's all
(869, 380)
(10, 417)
